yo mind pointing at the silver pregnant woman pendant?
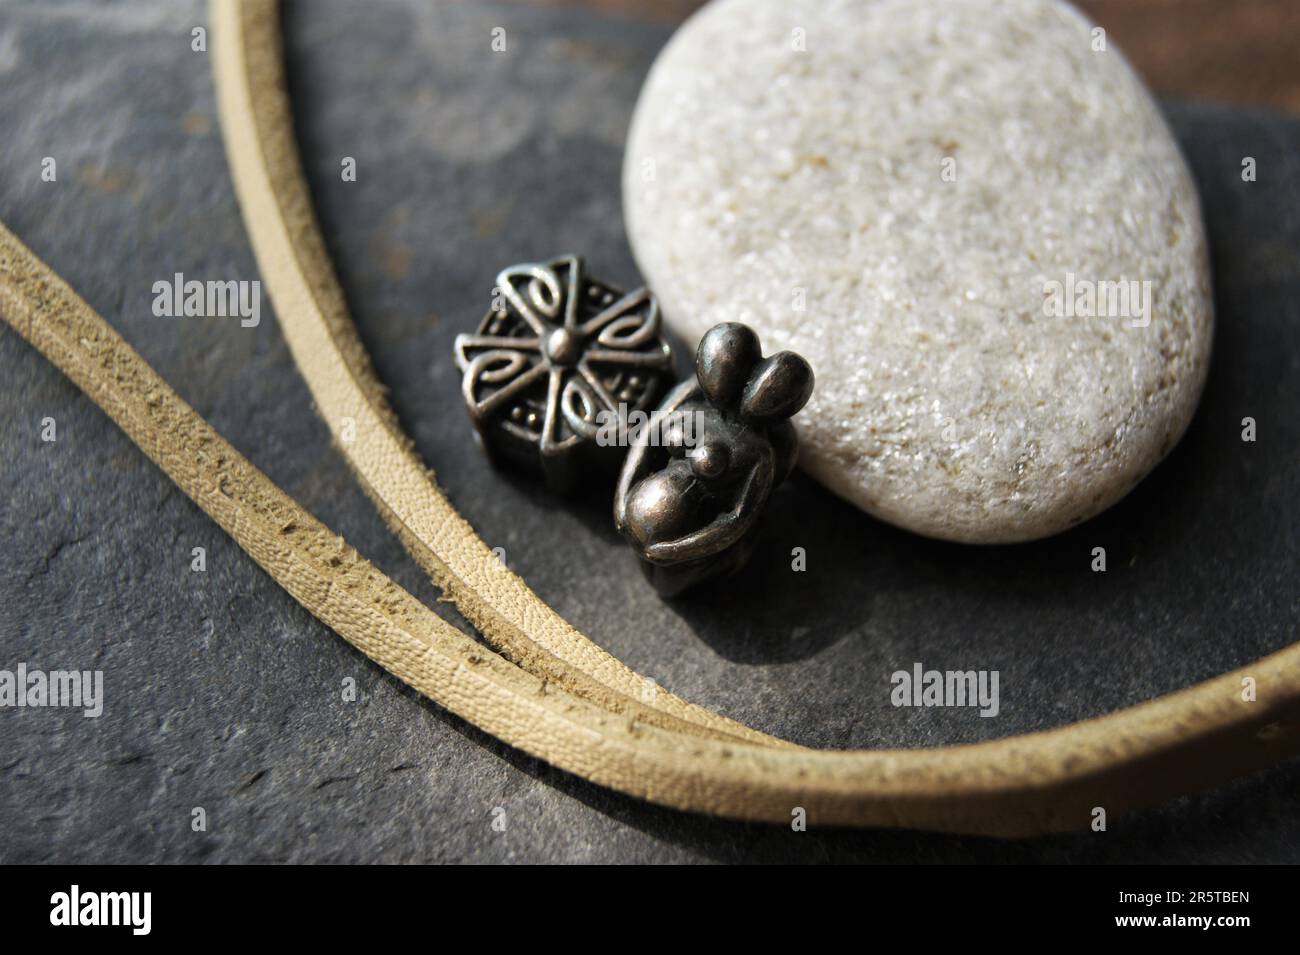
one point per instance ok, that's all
(689, 505)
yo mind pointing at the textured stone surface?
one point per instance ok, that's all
(888, 187)
(223, 693)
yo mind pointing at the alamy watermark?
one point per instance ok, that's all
(623, 428)
(78, 689)
(211, 299)
(129, 909)
(922, 687)
(1085, 298)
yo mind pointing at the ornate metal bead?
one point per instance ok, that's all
(556, 353)
(692, 488)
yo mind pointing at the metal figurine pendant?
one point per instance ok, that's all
(693, 485)
(555, 356)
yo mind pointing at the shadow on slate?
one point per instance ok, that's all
(221, 693)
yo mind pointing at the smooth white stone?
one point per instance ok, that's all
(802, 192)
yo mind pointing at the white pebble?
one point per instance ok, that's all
(892, 202)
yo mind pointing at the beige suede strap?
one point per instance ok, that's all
(257, 123)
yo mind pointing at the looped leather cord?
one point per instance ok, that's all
(1033, 783)
(1039, 782)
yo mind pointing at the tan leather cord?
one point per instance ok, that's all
(1038, 782)
(257, 123)
(1132, 757)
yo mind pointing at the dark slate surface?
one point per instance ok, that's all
(223, 693)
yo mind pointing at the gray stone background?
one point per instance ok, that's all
(222, 693)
